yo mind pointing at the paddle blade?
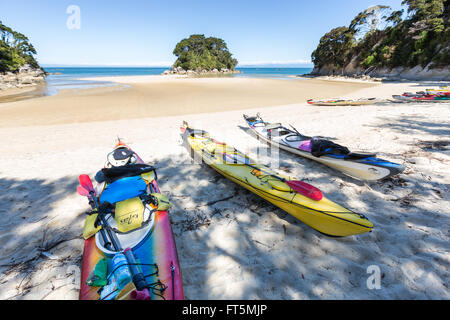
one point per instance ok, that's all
(82, 191)
(306, 189)
(86, 183)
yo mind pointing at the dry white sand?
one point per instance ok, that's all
(242, 248)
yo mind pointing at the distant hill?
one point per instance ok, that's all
(382, 42)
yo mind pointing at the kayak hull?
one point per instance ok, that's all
(328, 225)
(156, 253)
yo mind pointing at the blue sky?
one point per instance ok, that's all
(144, 33)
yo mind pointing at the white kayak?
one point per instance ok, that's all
(361, 166)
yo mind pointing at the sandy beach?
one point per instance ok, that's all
(241, 248)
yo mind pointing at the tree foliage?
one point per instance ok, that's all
(380, 37)
(334, 48)
(369, 21)
(198, 52)
(15, 50)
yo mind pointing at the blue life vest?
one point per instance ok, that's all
(123, 189)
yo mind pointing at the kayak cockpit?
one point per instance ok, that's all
(129, 239)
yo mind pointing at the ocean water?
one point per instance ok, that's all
(68, 77)
(272, 73)
(87, 72)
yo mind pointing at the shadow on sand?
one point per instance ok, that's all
(33, 228)
(234, 245)
(268, 254)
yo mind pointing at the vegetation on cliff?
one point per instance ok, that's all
(380, 37)
(15, 50)
(198, 52)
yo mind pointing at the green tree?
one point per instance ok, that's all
(427, 14)
(378, 37)
(15, 50)
(334, 48)
(198, 52)
(369, 20)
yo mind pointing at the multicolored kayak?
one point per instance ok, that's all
(420, 94)
(343, 102)
(301, 200)
(152, 242)
(422, 98)
(361, 166)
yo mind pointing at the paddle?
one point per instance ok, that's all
(299, 134)
(299, 186)
(86, 183)
(87, 189)
(82, 191)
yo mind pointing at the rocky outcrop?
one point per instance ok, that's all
(396, 74)
(26, 76)
(198, 71)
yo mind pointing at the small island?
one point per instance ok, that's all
(18, 67)
(198, 55)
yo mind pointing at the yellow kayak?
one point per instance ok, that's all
(323, 215)
(440, 90)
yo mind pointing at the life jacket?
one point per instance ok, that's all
(321, 147)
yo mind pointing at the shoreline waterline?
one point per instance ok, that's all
(76, 78)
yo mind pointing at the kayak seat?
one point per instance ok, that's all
(123, 189)
(356, 156)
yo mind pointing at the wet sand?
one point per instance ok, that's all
(19, 94)
(156, 96)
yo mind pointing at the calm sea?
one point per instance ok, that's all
(67, 77)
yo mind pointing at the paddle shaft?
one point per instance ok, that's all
(94, 206)
(138, 278)
(259, 169)
(298, 186)
(299, 134)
